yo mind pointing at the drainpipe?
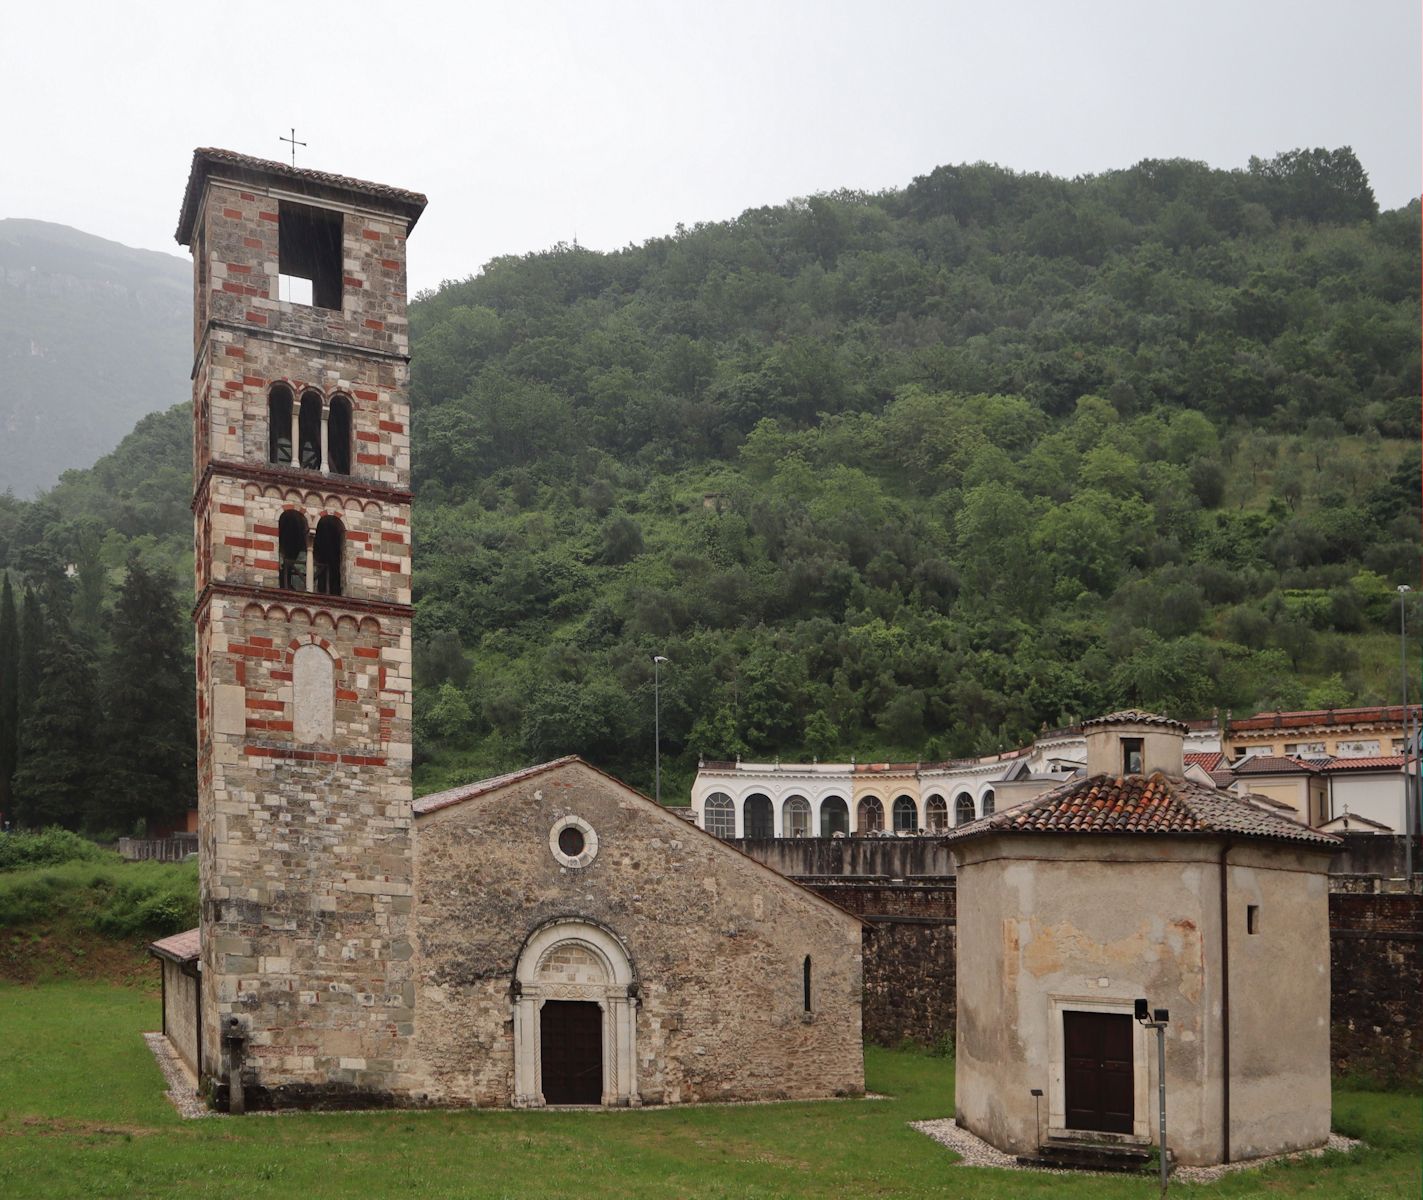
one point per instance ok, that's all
(1225, 1001)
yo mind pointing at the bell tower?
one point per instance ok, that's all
(301, 463)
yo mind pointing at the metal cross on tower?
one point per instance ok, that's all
(294, 144)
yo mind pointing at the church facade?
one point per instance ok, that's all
(328, 969)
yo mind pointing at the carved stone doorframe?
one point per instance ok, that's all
(572, 959)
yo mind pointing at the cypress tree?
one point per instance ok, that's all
(56, 776)
(148, 701)
(9, 693)
(32, 639)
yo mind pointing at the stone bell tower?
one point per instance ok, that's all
(301, 463)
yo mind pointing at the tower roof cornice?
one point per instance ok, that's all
(319, 185)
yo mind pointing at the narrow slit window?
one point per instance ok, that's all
(1132, 756)
(291, 551)
(338, 436)
(309, 256)
(309, 431)
(1252, 918)
(805, 983)
(326, 552)
(279, 426)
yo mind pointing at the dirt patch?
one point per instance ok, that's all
(49, 952)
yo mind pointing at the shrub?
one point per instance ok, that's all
(47, 848)
(115, 899)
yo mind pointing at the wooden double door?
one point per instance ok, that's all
(1098, 1089)
(571, 1051)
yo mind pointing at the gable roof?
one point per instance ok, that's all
(1346, 820)
(1209, 761)
(439, 801)
(243, 168)
(1142, 805)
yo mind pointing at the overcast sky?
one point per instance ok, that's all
(529, 123)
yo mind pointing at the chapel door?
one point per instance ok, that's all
(571, 1051)
(1097, 1073)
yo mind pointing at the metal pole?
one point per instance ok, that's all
(1403, 590)
(1161, 1094)
(657, 661)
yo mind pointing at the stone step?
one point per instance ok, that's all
(1089, 1156)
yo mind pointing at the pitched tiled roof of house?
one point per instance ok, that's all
(1322, 716)
(230, 164)
(1209, 761)
(1141, 804)
(1376, 762)
(1272, 764)
(179, 947)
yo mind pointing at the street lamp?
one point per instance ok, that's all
(1403, 590)
(1158, 1020)
(657, 661)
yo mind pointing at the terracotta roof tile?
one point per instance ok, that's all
(1136, 716)
(1210, 760)
(179, 947)
(1140, 804)
(1377, 762)
(457, 795)
(1272, 764)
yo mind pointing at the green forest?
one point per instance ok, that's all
(906, 475)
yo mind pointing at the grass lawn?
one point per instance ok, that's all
(82, 1114)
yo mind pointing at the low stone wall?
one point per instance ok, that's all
(910, 951)
(1376, 969)
(853, 857)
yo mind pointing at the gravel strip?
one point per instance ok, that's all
(975, 1152)
(182, 1087)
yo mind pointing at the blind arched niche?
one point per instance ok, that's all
(313, 695)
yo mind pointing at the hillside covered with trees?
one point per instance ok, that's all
(904, 475)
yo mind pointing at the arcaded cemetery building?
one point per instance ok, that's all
(550, 937)
(1134, 882)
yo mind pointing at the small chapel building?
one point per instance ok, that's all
(1134, 882)
(548, 937)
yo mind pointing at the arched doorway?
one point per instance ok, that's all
(575, 1018)
(834, 817)
(906, 815)
(757, 818)
(869, 816)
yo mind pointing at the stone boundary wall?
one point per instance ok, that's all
(910, 952)
(1376, 967)
(852, 857)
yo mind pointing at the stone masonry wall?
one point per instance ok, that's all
(716, 941)
(1376, 967)
(910, 956)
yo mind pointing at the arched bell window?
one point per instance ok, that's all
(291, 551)
(279, 425)
(309, 432)
(326, 551)
(338, 436)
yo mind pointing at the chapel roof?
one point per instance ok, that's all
(244, 168)
(178, 947)
(1142, 805)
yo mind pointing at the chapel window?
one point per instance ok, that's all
(906, 815)
(870, 817)
(326, 551)
(805, 983)
(963, 808)
(937, 813)
(795, 817)
(338, 436)
(309, 256)
(309, 432)
(279, 425)
(291, 551)
(719, 815)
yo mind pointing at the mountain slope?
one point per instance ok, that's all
(93, 335)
